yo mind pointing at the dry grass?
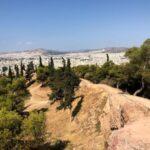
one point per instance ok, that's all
(91, 125)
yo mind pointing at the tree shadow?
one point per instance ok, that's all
(26, 113)
(78, 107)
(58, 145)
(30, 83)
(42, 110)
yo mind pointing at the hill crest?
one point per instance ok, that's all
(100, 117)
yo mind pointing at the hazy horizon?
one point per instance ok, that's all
(73, 25)
(60, 50)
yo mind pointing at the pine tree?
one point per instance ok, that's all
(4, 69)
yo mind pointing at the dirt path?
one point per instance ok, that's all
(39, 97)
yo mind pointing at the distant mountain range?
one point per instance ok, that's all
(57, 52)
(42, 51)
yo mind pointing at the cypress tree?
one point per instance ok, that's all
(31, 66)
(10, 74)
(52, 63)
(68, 64)
(16, 70)
(64, 63)
(51, 67)
(107, 57)
(40, 62)
(22, 68)
(29, 70)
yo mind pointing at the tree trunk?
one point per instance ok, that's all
(118, 85)
(139, 90)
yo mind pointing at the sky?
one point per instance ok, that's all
(73, 24)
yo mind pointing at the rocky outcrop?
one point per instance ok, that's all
(104, 118)
(134, 136)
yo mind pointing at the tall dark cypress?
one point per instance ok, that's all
(16, 70)
(52, 63)
(68, 64)
(10, 74)
(64, 63)
(107, 57)
(22, 68)
(40, 62)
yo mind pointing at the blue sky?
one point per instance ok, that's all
(73, 24)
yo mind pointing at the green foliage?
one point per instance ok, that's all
(51, 64)
(130, 77)
(29, 71)
(22, 68)
(81, 70)
(33, 127)
(16, 70)
(4, 81)
(42, 73)
(18, 84)
(64, 83)
(89, 72)
(46, 73)
(4, 69)
(94, 73)
(138, 69)
(105, 68)
(147, 42)
(10, 73)
(6, 139)
(16, 130)
(10, 123)
(12, 94)
(10, 120)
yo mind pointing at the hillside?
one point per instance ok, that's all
(103, 117)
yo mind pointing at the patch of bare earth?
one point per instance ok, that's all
(39, 97)
(101, 113)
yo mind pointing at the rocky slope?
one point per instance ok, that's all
(104, 118)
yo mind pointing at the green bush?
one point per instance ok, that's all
(33, 127)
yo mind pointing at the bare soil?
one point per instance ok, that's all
(99, 112)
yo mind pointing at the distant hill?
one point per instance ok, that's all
(42, 51)
(115, 49)
(38, 51)
(46, 51)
